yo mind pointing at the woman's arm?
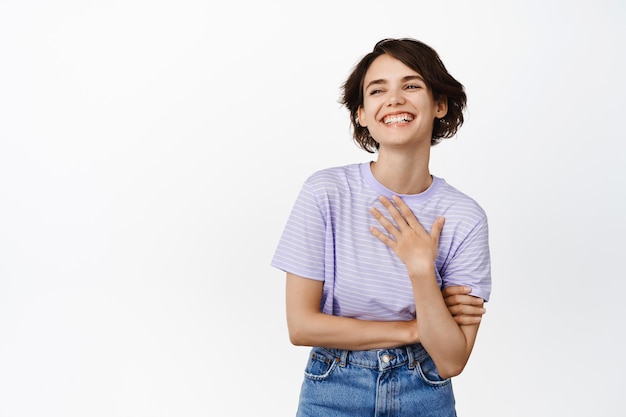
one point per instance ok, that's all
(465, 308)
(447, 342)
(308, 326)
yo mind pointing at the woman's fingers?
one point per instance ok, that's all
(462, 320)
(435, 230)
(382, 237)
(463, 299)
(405, 212)
(464, 308)
(393, 211)
(467, 310)
(455, 290)
(384, 222)
(405, 235)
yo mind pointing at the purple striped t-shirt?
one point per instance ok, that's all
(327, 238)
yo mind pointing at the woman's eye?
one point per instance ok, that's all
(413, 87)
(373, 92)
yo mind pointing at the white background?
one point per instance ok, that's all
(150, 152)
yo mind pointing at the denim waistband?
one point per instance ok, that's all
(381, 358)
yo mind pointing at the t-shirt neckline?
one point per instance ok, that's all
(381, 190)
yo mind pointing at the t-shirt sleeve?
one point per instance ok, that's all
(301, 248)
(471, 263)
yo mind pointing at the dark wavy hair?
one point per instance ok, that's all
(421, 58)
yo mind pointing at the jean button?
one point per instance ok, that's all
(385, 358)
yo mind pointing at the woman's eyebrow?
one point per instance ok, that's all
(412, 77)
(384, 81)
(374, 82)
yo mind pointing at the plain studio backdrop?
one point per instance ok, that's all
(150, 153)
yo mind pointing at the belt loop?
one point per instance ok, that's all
(410, 356)
(343, 360)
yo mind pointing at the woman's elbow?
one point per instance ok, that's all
(450, 370)
(298, 335)
(449, 373)
(296, 339)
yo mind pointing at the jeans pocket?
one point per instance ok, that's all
(320, 364)
(428, 371)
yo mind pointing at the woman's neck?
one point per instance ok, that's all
(403, 173)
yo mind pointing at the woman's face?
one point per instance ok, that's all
(398, 107)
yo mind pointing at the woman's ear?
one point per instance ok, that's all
(441, 106)
(360, 113)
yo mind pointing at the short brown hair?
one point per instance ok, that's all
(421, 58)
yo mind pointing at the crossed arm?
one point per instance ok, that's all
(448, 344)
(308, 326)
(446, 321)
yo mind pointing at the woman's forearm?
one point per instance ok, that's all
(319, 329)
(448, 344)
(308, 326)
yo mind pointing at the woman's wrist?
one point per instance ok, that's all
(420, 269)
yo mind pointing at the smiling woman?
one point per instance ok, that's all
(424, 68)
(393, 313)
(398, 106)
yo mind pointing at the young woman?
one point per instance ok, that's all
(387, 266)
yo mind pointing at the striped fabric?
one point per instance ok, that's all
(327, 238)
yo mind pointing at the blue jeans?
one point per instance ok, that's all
(398, 382)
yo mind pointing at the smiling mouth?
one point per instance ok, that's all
(398, 119)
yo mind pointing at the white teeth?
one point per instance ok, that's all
(398, 118)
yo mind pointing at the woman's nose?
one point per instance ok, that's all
(395, 98)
